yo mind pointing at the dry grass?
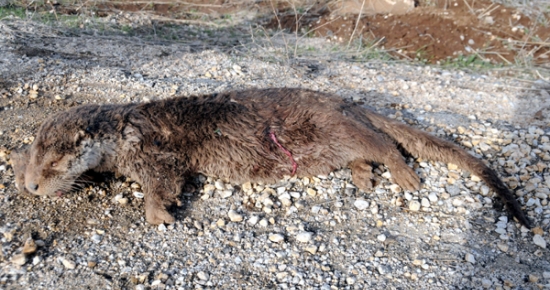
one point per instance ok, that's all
(278, 44)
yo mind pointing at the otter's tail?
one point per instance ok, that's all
(424, 145)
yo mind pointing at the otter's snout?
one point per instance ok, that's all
(31, 186)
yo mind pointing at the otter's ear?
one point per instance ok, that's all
(79, 136)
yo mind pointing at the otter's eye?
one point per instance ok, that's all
(54, 164)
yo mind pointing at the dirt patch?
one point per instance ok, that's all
(483, 29)
(433, 32)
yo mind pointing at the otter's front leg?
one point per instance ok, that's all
(155, 209)
(161, 191)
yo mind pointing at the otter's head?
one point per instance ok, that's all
(61, 152)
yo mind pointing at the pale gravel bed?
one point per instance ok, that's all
(313, 233)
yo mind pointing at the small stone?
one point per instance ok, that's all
(486, 283)
(546, 275)
(161, 228)
(253, 220)
(425, 202)
(304, 237)
(276, 238)
(470, 258)
(285, 199)
(395, 188)
(29, 247)
(91, 264)
(281, 275)
(452, 190)
(220, 223)
(457, 202)
(219, 185)
(533, 278)
(68, 264)
(36, 260)
(203, 276)
(538, 231)
(484, 190)
(381, 237)
(226, 193)
(246, 186)
(19, 259)
(311, 192)
(502, 247)
(96, 238)
(123, 201)
(432, 197)
(311, 249)
(414, 205)
(138, 194)
(235, 216)
(351, 280)
(361, 204)
(263, 223)
(452, 166)
(539, 241)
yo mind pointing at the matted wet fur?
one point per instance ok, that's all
(253, 135)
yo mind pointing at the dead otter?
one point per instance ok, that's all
(252, 135)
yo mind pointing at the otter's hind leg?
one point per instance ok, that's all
(371, 146)
(361, 174)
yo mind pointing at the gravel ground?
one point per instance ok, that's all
(310, 233)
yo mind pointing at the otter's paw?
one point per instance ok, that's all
(361, 175)
(157, 216)
(405, 177)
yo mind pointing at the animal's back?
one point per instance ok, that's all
(230, 135)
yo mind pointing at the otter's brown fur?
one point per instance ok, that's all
(253, 135)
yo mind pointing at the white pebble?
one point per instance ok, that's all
(285, 199)
(219, 185)
(226, 193)
(414, 205)
(235, 216)
(432, 196)
(161, 228)
(276, 238)
(203, 276)
(539, 241)
(138, 194)
(304, 237)
(361, 204)
(381, 237)
(253, 220)
(68, 264)
(263, 223)
(96, 238)
(457, 202)
(425, 202)
(470, 258)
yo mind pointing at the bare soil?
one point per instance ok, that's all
(433, 32)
